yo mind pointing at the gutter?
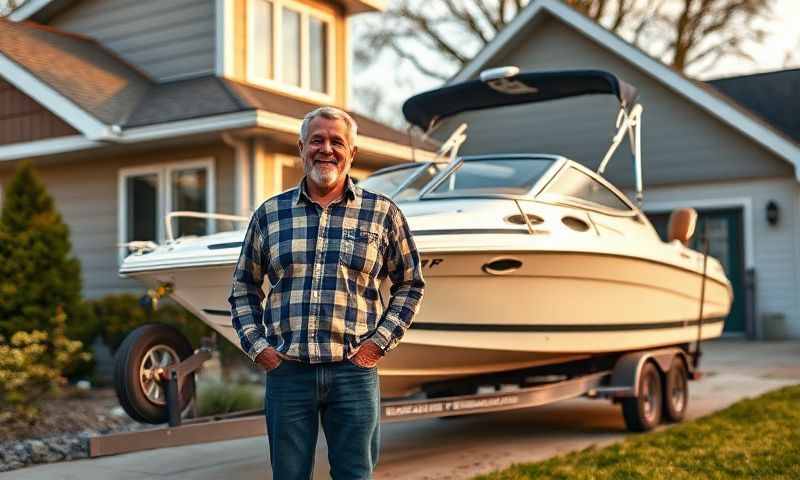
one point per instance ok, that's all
(115, 134)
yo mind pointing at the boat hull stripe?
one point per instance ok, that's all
(220, 246)
(465, 327)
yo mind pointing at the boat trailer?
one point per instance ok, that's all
(647, 383)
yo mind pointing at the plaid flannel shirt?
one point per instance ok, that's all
(324, 268)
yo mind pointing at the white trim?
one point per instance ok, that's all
(27, 10)
(189, 127)
(251, 118)
(717, 107)
(48, 146)
(275, 83)
(164, 194)
(745, 203)
(56, 103)
(225, 52)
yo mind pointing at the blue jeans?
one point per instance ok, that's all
(345, 397)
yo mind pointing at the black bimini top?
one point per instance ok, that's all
(427, 108)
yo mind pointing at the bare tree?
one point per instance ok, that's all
(438, 37)
(8, 6)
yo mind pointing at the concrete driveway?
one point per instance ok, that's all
(465, 446)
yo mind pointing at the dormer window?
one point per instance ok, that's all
(290, 48)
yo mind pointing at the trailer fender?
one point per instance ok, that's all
(627, 369)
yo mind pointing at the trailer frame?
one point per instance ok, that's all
(620, 382)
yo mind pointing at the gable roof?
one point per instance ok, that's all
(708, 99)
(91, 88)
(44, 10)
(774, 96)
(106, 99)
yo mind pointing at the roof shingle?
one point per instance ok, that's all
(773, 96)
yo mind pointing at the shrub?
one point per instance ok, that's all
(115, 316)
(30, 368)
(216, 398)
(39, 276)
(38, 273)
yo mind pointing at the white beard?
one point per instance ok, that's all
(326, 178)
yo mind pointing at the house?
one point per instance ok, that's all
(131, 110)
(728, 148)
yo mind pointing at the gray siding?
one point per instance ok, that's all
(775, 255)
(681, 142)
(85, 193)
(165, 39)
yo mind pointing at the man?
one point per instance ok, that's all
(325, 247)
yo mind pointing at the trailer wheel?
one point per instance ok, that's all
(643, 412)
(145, 349)
(676, 391)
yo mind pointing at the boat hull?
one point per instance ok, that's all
(555, 307)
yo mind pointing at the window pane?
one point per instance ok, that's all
(576, 184)
(318, 55)
(291, 47)
(506, 176)
(141, 192)
(189, 189)
(261, 56)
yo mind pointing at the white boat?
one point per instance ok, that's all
(529, 260)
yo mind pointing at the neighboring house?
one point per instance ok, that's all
(730, 149)
(130, 110)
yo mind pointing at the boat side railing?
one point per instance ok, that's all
(204, 215)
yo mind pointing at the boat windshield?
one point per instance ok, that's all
(510, 176)
(409, 180)
(388, 182)
(411, 191)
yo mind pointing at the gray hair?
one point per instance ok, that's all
(331, 113)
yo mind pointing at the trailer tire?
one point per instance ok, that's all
(643, 412)
(676, 390)
(144, 399)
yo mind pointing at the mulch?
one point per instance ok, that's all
(74, 411)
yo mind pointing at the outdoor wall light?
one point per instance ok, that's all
(772, 213)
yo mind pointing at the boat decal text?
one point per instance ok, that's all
(431, 262)
(445, 406)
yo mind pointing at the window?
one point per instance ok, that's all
(148, 193)
(575, 184)
(289, 47)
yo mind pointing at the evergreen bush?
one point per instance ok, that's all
(39, 276)
(38, 273)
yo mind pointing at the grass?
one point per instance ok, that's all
(754, 438)
(215, 398)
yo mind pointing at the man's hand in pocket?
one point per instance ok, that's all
(269, 359)
(368, 355)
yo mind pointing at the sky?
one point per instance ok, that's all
(783, 37)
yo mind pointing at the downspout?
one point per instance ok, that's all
(243, 174)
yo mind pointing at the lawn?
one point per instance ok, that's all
(754, 438)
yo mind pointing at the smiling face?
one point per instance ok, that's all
(327, 154)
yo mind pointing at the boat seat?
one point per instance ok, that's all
(681, 225)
